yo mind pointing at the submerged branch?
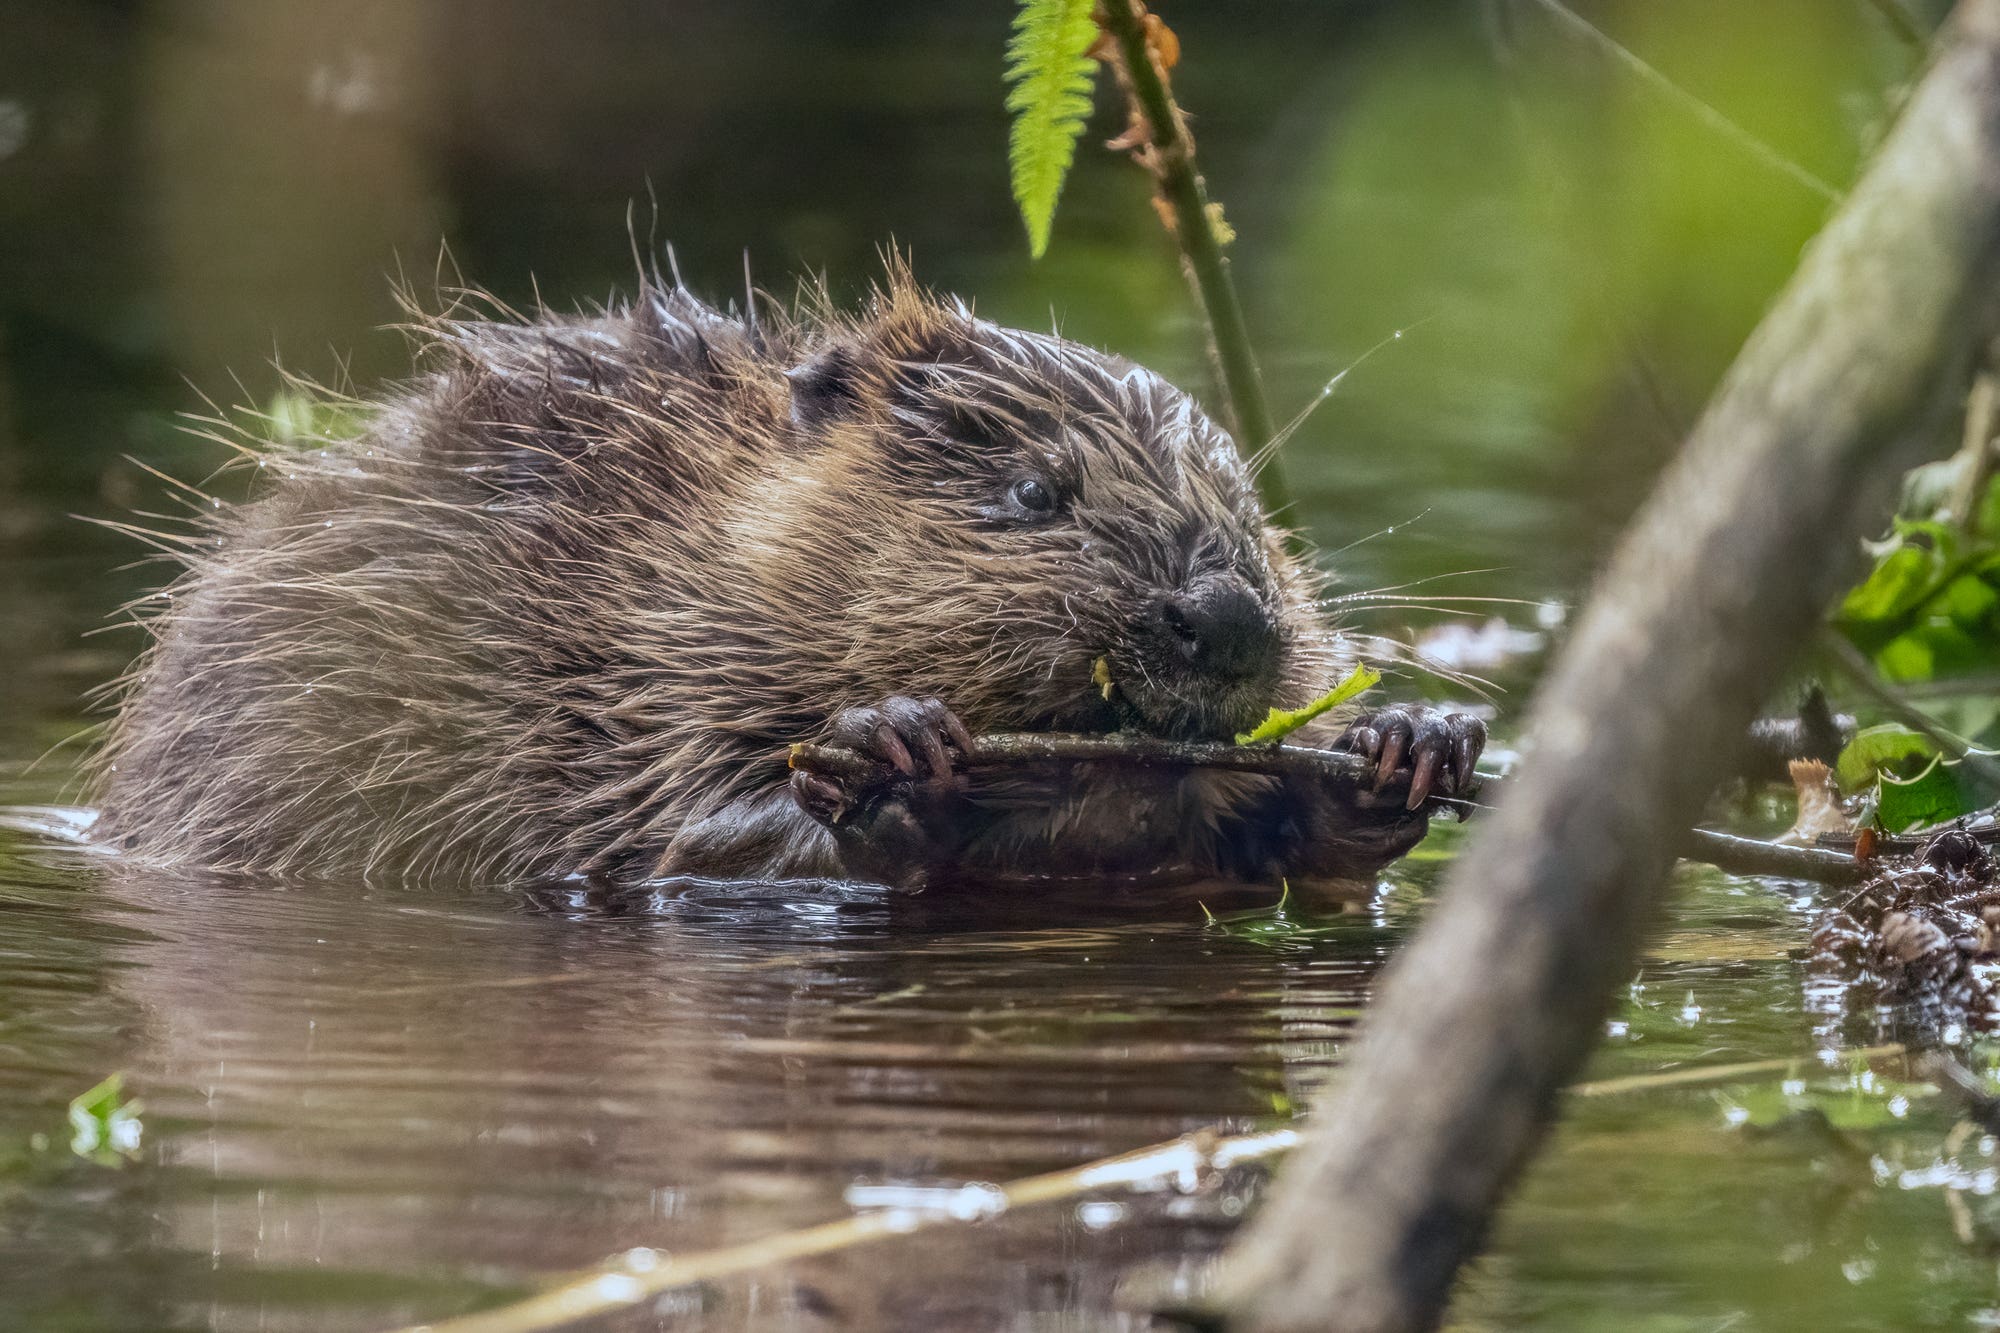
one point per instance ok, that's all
(626, 1280)
(633, 1277)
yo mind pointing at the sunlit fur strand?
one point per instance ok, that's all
(574, 590)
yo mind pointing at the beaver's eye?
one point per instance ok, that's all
(1033, 496)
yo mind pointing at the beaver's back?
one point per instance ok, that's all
(374, 665)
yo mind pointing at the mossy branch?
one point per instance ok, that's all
(1168, 152)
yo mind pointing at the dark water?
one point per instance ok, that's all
(365, 1107)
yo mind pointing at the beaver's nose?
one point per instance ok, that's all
(1221, 628)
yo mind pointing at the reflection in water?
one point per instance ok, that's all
(365, 1105)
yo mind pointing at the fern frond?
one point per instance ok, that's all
(1051, 80)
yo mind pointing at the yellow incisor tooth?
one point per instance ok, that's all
(1100, 675)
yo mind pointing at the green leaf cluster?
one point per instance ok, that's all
(1914, 784)
(1930, 607)
(1928, 611)
(1051, 80)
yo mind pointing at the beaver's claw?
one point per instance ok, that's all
(901, 742)
(1426, 750)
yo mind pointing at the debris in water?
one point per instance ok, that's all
(1922, 935)
(104, 1123)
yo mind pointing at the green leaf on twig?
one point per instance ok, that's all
(1283, 722)
(1050, 96)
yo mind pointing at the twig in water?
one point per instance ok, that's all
(637, 1275)
(1749, 856)
(1698, 1074)
(624, 1280)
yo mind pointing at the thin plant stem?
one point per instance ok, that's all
(1702, 111)
(1170, 157)
(1975, 451)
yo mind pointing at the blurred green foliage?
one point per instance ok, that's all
(1928, 615)
(1576, 247)
(1907, 778)
(1930, 607)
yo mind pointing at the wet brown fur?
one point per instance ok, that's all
(564, 603)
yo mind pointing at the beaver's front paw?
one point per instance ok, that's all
(902, 747)
(1415, 752)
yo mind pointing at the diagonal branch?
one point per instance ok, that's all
(1722, 577)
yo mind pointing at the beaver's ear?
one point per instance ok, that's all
(898, 358)
(827, 386)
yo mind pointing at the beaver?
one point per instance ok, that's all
(564, 602)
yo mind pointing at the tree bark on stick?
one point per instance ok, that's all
(1743, 856)
(1722, 576)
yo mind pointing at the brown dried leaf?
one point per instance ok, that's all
(1137, 134)
(1907, 939)
(1820, 813)
(1162, 42)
